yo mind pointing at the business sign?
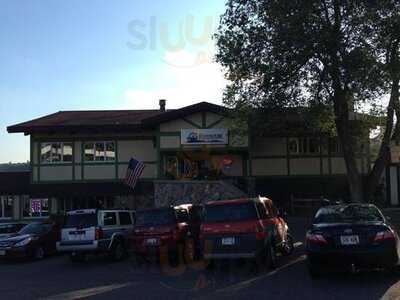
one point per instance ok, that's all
(215, 136)
(36, 205)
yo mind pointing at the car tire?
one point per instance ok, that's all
(38, 253)
(271, 258)
(118, 252)
(288, 246)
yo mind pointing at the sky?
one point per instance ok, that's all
(100, 54)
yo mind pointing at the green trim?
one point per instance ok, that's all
(158, 154)
(316, 176)
(91, 181)
(73, 161)
(116, 159)
(38, 149)
(215, 123)
(321, 163)
(91, 138)
(287, 157)
(170, 133)
(250, 155)
(82, 161)
(211, 150)
(153, 162)
(203, 119)
(31, 158)
(191, 123)
(62, 164)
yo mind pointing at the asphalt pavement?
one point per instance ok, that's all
(99, 278)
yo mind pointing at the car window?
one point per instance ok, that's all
(230, 212)
(125, 218)
(350, 213)
(81, 220)
(155, 217)
(109, 219)
(36, 228)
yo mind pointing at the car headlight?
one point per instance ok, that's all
(23, 242)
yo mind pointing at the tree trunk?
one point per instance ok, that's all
(384, 151)
(343, 127)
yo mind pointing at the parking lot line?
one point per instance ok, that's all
(245, 283)
(84, 293)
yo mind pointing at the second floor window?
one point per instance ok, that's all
(55, 152)
(99, 151)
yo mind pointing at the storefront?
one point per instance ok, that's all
(79, 158)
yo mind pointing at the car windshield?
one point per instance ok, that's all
(346, 214)
(36, 228)
(81, 220)
(230, 212)
(155, 217)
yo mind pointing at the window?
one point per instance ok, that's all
(6, 205)
(35, 208)
(110, 219)
(334, 146)
(55, 152)
(99, 151)
(125, 218)
(304, 146)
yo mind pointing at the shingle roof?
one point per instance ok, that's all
(109, 119)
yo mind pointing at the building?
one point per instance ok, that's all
(79, 159)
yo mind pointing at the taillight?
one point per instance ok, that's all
(260, 233)
(384, 235)
(99, 233)
(316, 239)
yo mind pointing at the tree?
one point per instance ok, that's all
(329, 53)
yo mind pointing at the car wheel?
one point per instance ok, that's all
(271, 259)
(38, 253)
(288, 246)
(118, 252)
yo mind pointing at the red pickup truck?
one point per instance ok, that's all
(244, 228)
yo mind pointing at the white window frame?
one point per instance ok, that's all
(104, 152)
(51, 153)
(35, 217)
(2, 206)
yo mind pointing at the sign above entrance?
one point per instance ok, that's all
(215, 136)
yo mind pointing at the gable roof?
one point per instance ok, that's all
(71, 121)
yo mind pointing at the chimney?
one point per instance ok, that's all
(162, 103)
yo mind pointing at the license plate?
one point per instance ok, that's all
(228, 241)
(152, 242)
(2, 252)
(349, 240)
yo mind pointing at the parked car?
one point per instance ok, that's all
(172, 228)
(93, 231)
(246, 228)
(350, 237)
(7, 229)
(35, 240)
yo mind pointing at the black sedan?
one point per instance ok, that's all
(351, 237)
(35, 240)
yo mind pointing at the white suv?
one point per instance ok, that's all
(92, 231)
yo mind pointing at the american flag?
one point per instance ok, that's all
(133, 172)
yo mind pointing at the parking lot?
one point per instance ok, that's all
(58, 278)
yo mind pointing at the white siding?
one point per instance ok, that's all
(56, 173)
(99, 172)
(305, 166)
(142, 150)
(269, 167)
(268, 146)
(170, 142)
